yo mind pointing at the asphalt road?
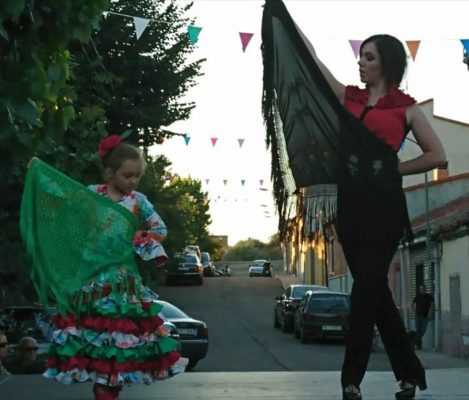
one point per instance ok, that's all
(239, 314)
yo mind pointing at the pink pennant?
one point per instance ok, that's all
(214, 141)
(261, 181)
(356, 46)
(245, 39)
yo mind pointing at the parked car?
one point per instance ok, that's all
(34, 321)
(207, 264)
(184, 267)
(322, 314)
(260, 268)
(286, 304)
(193, 334)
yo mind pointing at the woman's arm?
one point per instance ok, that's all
(337, 87)
(433, 153)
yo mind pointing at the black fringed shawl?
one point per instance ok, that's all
(316, 143)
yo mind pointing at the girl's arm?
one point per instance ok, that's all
(433, 153)
(337, 87)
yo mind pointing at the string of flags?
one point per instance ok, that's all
(187, 138)
(225, 181)
(140, 24)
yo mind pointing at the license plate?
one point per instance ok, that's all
(332, 328)
(183, 269)
(187, 331)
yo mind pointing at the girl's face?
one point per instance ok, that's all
(370, 64)
(126, 178)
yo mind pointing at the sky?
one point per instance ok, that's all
(228, 96)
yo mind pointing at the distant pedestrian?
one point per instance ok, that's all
(423, 306)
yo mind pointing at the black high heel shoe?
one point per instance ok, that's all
(351, 395)
(408, 393)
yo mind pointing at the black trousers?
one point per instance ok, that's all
(370, 225)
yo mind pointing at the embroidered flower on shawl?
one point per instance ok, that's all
(394, 97)
(107, 144)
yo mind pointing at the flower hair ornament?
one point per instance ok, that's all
(107, 144)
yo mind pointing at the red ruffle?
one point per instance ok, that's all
(112, 367)
(104, 324)
(394, 98)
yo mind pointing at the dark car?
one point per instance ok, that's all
(184, 267)
(286, 304)
(33, 321)
(207, 264)
(322, 314)
(193, 334)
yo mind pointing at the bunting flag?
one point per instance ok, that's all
(207, 181)
(245, 39)
(413, 46)
(140, 25)
(355, 44)
(214, 141)
(187, 139)
(193, 32)
(240, 142)
(243, 181)
(261, 181)
(465, 43)
(225, 181)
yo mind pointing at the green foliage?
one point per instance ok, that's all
(36, 107)
(252, 249)
(140, 82)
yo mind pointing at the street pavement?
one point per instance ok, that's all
(450, 381)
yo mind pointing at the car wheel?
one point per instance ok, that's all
(296, 331)
(191, 364)
(285, 326)
(303, 336)
(276, 323)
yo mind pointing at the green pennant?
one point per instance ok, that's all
(193, 32)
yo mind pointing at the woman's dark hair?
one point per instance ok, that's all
(119, 154)
(393, 57)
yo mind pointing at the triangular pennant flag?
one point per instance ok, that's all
(261, 181)
(240, 142)
(225, 181)
(193, 32)
(207, 181)
(245, 39)
(243, 181)
(214, 141)
(465, 43)
(413, 46)
(356, 46)
(187, 139)
(140, 25)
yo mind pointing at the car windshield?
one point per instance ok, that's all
(171, 311)
(205, 257)
(189, 259)
(327, 302)
(258, 264)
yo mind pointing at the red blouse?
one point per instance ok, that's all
(387, 118)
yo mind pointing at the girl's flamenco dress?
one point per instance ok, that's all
(82, 246)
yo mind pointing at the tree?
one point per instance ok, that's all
(36, 103)
(140, 82)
